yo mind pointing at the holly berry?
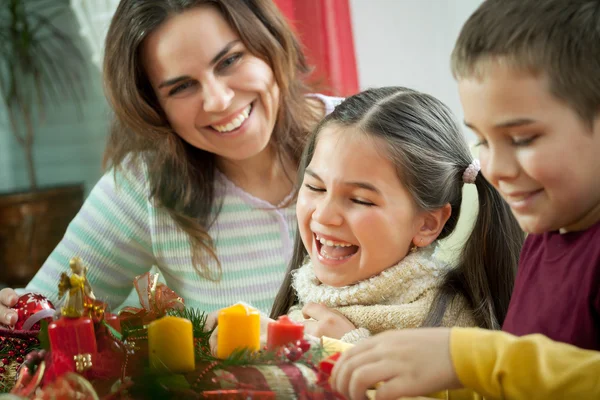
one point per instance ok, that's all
(293, 354)
(303, 345)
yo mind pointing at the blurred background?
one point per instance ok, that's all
(54, 159)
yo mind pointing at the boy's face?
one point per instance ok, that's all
(535, 150)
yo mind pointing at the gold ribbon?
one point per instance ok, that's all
(155, 298)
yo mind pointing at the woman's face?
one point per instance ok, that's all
(216, 95)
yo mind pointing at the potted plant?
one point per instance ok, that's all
(40, 66)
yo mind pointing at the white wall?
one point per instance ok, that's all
(408, 43)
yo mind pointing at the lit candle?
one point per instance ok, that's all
(239, 328)
(283, 331)
(171, 345)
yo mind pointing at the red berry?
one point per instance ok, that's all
(304, 345)
(11, 353)
(5, 361)
(293, 354)
(19, 359)
(2, 371)
(22, 351)
(18, 346)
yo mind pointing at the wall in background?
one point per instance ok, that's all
(68, 146)
(408, 43)
(6, 173)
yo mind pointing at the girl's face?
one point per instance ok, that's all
(355, 217)
(215, 94)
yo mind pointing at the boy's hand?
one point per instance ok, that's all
(412, 362)
(325, 321)
(8, 298)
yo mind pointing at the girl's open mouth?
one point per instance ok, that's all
(333, 250)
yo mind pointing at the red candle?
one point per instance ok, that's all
(73, 337)
(283, 331)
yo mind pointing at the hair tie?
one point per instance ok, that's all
(471, 172)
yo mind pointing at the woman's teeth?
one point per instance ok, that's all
(236, 122)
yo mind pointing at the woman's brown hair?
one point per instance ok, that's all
(181, 176)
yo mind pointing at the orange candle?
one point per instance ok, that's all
(239, 328)
(171, 345)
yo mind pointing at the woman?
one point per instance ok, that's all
(211, 115)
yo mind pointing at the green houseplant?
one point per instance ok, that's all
(40, 66)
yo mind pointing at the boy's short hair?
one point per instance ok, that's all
(558, 39)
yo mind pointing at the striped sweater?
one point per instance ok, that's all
(119, 233)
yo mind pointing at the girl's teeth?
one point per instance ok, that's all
(332, 243)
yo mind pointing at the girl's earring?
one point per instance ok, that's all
(414, 248)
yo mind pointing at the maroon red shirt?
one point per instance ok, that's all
(557, 290)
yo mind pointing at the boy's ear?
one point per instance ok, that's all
(432, 224)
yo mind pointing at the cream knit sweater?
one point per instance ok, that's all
(398, 297)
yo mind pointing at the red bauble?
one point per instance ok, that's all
(31, 309)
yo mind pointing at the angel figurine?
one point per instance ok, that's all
(77, 289)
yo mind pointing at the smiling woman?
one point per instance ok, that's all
(211, 115)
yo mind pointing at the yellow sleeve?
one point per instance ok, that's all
(499, 365)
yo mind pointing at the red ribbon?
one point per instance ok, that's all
(155, 298)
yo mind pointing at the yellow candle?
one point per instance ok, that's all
(239, 327)
(171, 345)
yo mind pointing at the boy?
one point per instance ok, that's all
(528, 73)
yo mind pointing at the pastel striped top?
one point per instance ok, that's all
(119, 233)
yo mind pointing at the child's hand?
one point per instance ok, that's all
(8, 298)
(325, 322)
(411, 362)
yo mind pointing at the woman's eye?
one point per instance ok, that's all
(181, 87)
(229, 61)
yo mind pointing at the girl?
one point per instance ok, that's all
(211, 116)
(382, 182)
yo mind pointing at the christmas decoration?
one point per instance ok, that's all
(156, 300)
(14, 348)
(73, 337)
(239, 328)
(160, 351)
(31, 308)
(283, 331)
(171, 345)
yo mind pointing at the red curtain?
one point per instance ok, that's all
(325, 29)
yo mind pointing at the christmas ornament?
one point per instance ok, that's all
(31, 308)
